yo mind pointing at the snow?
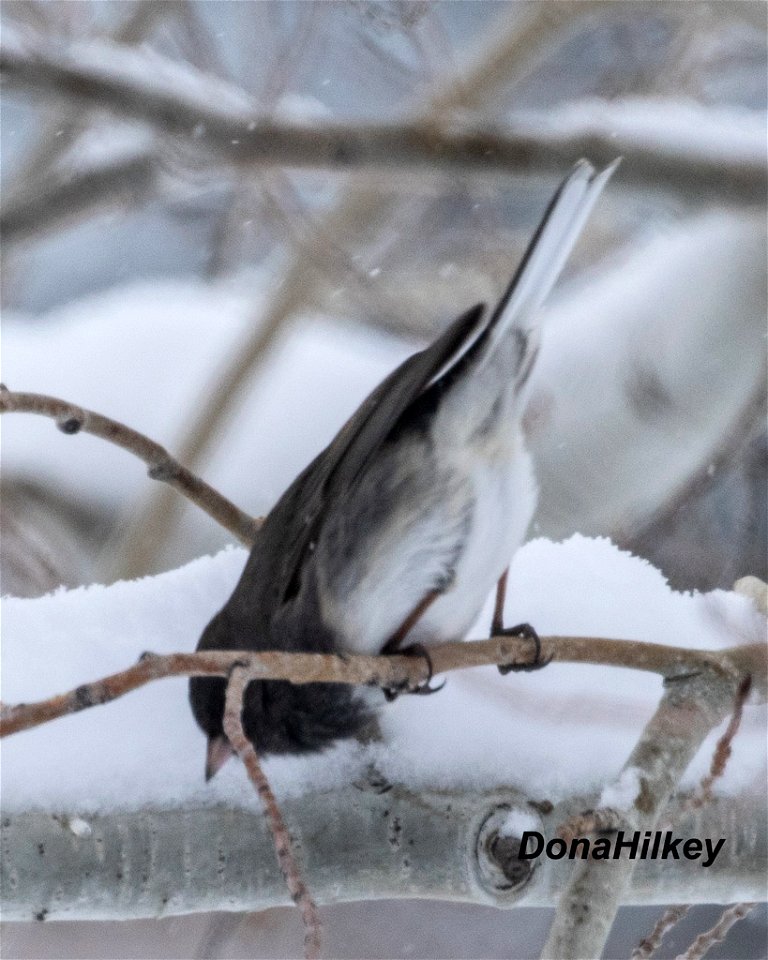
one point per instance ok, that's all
(622, 794)
(668, 343)
(727, 134)
(105, 142)
(517, 822)
(295, 107)
(80, 827)
(562, 730)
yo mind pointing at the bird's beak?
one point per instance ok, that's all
(219, 751)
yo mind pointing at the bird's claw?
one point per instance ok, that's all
(526, 631)
(423, 689)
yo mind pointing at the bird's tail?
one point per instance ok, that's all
(541, 265)
(551, 246)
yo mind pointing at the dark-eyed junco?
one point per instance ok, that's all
(395, 534)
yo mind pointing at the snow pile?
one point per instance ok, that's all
(551, 733)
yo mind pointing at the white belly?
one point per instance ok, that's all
(506, 500)
(386, 584)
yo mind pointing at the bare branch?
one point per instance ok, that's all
(59, 199)
(650, 944)
(223, 119)
(397, 671)
(233, 728)
(674, 734)
(71, 419)
(717, 934)
(43, 198)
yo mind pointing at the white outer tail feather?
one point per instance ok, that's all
(549, 250)
(540, 267)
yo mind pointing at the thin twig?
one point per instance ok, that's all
(386, 671)
(723, 750)
(650, 944)
(161, 465)
(239, 679)
(705, 941)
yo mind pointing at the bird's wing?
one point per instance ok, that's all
(293, 524)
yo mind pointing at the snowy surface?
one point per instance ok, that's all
(552, 733)
(622, 794)
(517, 822)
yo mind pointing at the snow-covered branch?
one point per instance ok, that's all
(650, 944)
(71, 419)
(145, 837)
(222, 118)
(370, 840)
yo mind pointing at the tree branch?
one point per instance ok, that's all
(691, 706)
(730, 665)
(364, 841)
(161, 465)
(650, 944)
(705, 941)
(57, 198)
(222, 118)
(723, 748)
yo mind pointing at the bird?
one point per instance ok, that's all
(393, 536)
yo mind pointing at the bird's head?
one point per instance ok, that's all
(278, 716)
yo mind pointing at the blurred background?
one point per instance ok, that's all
(204, 238)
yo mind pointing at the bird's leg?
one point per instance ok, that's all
(497, 624)
(392, 646)
(521, 630)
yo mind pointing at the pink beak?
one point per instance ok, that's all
(218, 752)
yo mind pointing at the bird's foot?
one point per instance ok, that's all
(526, 631)
(423, 689)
